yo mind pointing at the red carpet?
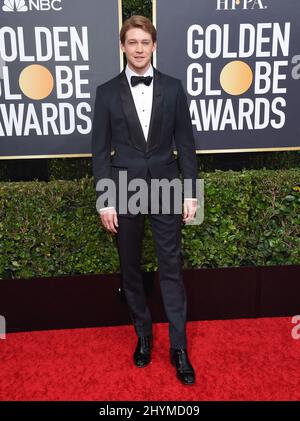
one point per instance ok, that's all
(234, 360)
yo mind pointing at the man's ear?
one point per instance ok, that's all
(154, 46)
(122, 47)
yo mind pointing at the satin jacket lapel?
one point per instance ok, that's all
(135, 129)
(156, 114)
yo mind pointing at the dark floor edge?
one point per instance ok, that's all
(95, 300)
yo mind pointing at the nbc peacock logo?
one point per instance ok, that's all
(14, 6)
(32, 5)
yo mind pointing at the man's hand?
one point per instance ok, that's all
(109, 219)
(189, 209)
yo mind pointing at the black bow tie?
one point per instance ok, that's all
(135, 80)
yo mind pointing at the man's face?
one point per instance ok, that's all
(138, 48)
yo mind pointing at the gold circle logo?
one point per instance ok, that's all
(236, 77)
(36, 81)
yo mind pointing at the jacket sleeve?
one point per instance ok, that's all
(185, 142)
(101, 141)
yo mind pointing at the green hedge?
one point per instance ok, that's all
(72, 168)
(51, 229)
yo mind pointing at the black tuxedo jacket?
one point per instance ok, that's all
(118, 142)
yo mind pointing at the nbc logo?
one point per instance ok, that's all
(38, 5)
(14, 5)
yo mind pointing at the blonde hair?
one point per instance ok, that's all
(137, 21)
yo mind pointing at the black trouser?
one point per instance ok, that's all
(166, 230)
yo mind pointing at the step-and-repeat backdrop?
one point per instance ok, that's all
(239, 61)
(53, 54)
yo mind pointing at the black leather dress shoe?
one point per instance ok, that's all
(142, 353)
(184, 370)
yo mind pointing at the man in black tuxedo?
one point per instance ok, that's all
(137, 116)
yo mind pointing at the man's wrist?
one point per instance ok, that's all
(105, 209)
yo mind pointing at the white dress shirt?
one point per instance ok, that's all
(142, 97)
